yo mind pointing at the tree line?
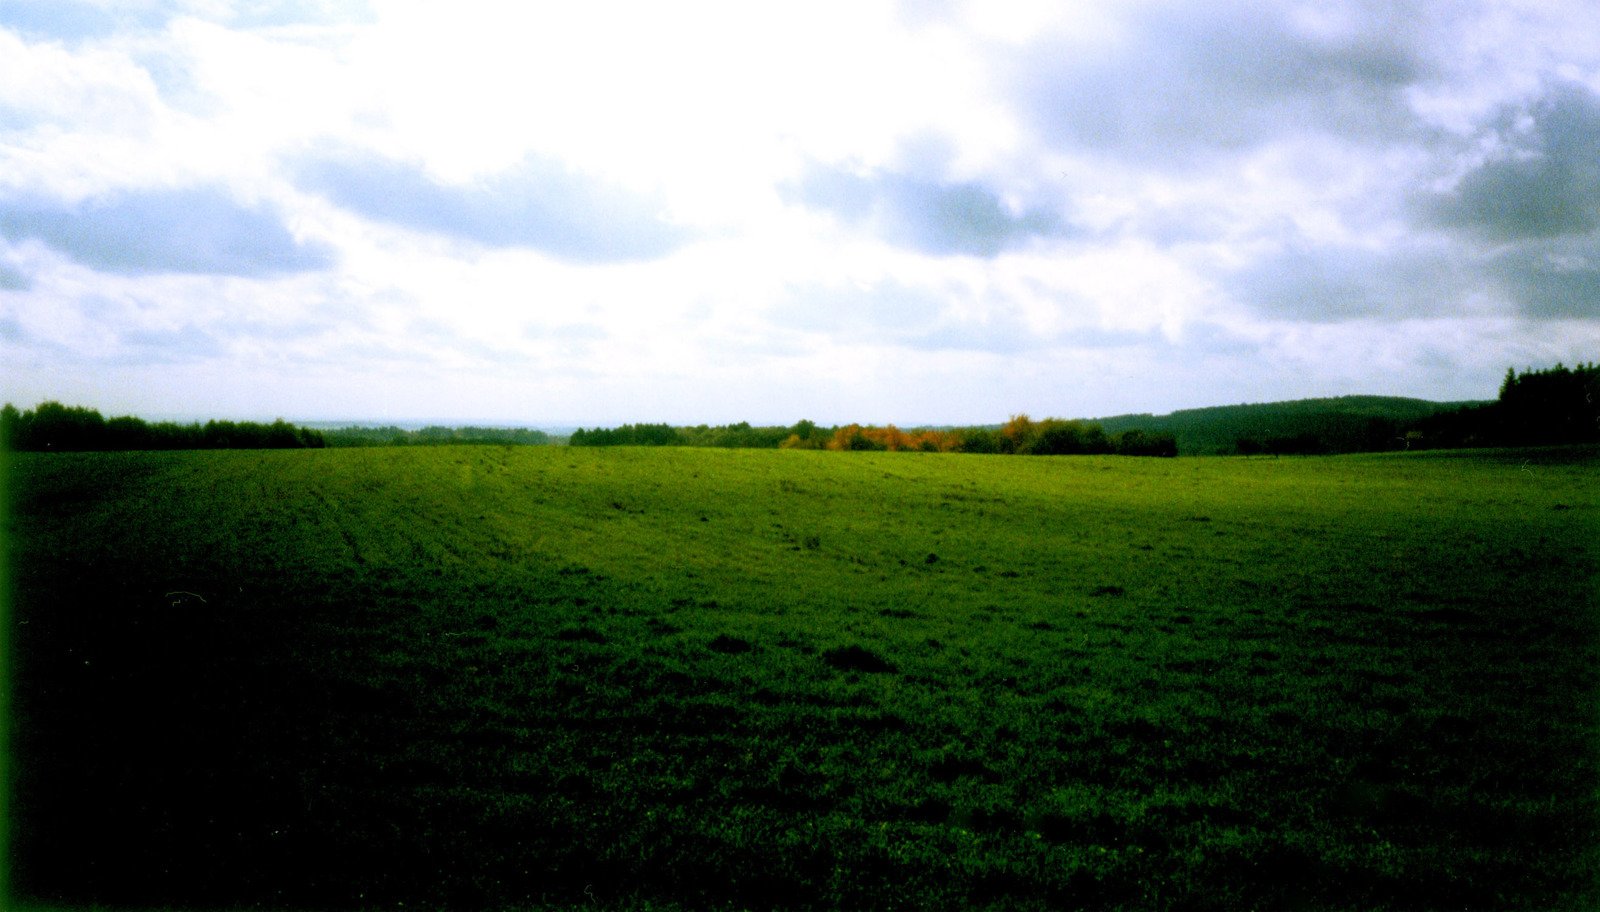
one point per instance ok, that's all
(1553, 406)
(1337, 425)
(53, 427)
(434, 435)
(732, 436)
(1557, 405)
(1020, 435)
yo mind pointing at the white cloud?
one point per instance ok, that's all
(199, 230)
(935, 217)
(537, 204)
(942, 211)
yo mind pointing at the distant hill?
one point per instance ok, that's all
(1340, 424)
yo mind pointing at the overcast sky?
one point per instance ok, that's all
(915, 212)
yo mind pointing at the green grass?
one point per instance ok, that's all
(520, 678)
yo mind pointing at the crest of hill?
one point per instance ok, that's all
(1342, 423)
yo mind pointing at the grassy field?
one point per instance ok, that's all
(655, 679)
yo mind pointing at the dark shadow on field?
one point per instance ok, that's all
(188, 744)
(1460, 738)
(161, 743)
(336, 746)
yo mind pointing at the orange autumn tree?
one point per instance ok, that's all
(1018, 435)
(856, 437)
(893, 439)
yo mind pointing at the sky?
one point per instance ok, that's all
(917, 212)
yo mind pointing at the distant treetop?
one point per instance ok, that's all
(53, 427)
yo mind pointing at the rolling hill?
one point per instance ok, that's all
(1340, 424)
